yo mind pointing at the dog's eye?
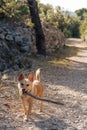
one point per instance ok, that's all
(27, 84)
(22, 84)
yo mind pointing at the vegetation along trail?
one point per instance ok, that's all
(64, 79)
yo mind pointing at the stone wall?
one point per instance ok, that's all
(16, 39)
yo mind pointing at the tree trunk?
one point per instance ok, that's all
(40, 38)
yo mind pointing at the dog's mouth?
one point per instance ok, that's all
(24, 91)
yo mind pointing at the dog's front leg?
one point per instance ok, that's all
(25, 109)
(30, 106)
(41, 103)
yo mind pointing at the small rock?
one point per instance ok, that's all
(9, 38)
(2, 36)
(5, 77)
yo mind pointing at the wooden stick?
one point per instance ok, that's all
(41, 99)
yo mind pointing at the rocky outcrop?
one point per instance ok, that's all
(54, 38)
(17, 40)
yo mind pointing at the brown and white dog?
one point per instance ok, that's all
(33, 86)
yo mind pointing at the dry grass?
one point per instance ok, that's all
(66, 51)
(63, 62)
(60, 57)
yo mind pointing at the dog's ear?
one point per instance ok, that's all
(21, 77)
(31, 76)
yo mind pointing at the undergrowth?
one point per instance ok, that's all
(60, 56)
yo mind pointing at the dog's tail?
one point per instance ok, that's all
(38, 74)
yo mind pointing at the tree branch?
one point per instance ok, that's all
(41, 99)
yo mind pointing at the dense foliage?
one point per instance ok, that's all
(72, 25)
(14, 9)
(82, 14)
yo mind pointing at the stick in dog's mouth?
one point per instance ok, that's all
(41, 99)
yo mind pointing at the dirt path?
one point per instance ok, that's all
(62, 82)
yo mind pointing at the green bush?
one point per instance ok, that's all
(13, 9)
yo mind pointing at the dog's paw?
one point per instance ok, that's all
(25, 118)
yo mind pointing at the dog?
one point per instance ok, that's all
(32, 85)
